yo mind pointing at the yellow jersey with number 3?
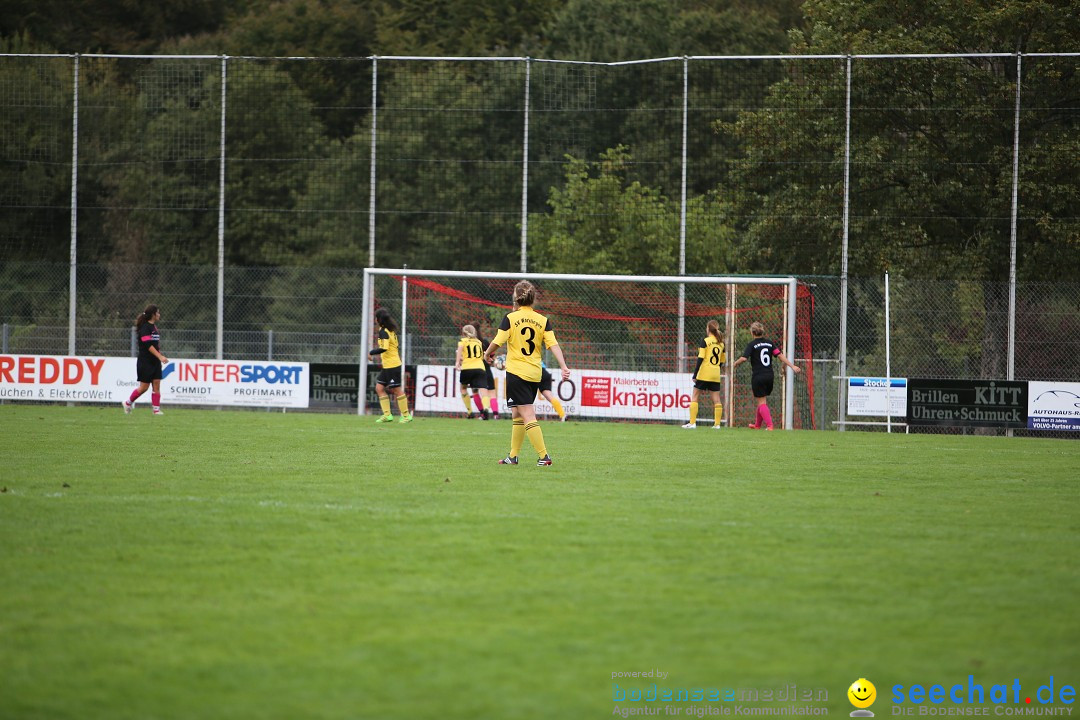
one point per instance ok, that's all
(711, 352)
(525, 333)
(472, 354)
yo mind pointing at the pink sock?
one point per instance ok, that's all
(134, 396)
(479, 402)
(155, 399)
(766, 416)
(495, 406)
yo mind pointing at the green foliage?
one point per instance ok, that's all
(601, 222)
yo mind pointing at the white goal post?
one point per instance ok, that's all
(788, 285)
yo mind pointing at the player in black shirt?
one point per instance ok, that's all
(760, 352)
(148, 366)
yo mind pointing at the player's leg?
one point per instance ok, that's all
(555, 404)
(717, 410)
(155, 396)
(403, 405)
(694, 397)
(527, 413)
(465, 400)
(135, 395)
(384, 402)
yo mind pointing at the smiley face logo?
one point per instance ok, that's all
(862, 693)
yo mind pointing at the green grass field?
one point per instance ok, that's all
(224, 564)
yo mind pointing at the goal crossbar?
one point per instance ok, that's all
(789, 282)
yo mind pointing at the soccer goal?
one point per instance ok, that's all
(630, 341)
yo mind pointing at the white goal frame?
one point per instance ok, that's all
(790, 284)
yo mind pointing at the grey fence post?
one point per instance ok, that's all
(270, 344)
(134, 342)
(73, 270)
(220, 339)
(525, 172)
(841, 411)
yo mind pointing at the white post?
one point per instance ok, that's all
(791, 292)
(525, 173)
(365, 338)
(842, 409)
(73, 253)
(221, 224)
(888, 360)
(729, 371)
(681, 333)
(404, 319)
(371, 173)
(1012, 231)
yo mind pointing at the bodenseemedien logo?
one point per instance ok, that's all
(862, 695)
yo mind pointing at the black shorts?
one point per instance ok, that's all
(707, 385)
(520, 392)
(148, 370)
(761, 385)
(389, 377)
(476, 379)
(490, 377)
(545, 381)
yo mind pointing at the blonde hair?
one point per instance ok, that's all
(713, 328)
(524, 293)
(468, 331)
(757, 329)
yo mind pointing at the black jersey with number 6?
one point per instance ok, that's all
(760, 352)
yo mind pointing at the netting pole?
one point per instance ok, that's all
(729, 370)
(842, 388)
(1012, 229)
(791, 292)
(525, 172)
(371, 174)
(888, 360)
(681, 335)
(73, 258)
(220, 340)
(365, 336)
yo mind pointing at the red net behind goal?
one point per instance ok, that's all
(628, 328)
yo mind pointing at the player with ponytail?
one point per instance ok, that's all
(150, 362)
(707, 373)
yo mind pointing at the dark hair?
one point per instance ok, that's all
(146, 315)
(382, 316)
(524, 293)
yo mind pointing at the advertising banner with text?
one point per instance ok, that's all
(588, 393)
(250, 383)
(967, 403)
(872, 396)
(1054, 406)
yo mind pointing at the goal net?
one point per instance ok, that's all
(631, 342)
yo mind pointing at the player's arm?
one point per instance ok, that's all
(457, 358)
(157, 353)
(383, 341)
(499, 341)
(557, 352)
(737, 363)
(787, 362)
(700, 359)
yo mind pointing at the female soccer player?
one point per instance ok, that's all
(493, 396)
(388, 382)
(710, 362)
(469, 361)
(148, 366)
(760, 352)
(525, 333)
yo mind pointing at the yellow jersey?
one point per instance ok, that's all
(712, 356)
(472, 354)
(388, 341)
(525, 333)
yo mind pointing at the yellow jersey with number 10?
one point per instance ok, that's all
(525, 333)
(472, 354)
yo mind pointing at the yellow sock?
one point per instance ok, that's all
(718, 414)
(384, 403)
(403, 404)
(536, 437)
(558, 407)
(693, 413)
(517, 436)
(465, 400)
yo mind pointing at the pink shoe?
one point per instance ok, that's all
(752, 426)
